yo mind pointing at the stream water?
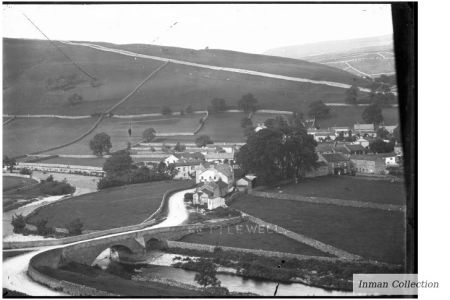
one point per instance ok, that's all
(159, 265)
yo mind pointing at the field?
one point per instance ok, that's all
(18, 192)
(224, 127)
(117, 129)
(349, 188)
(249, 235)
(24, 136)
(110, 208)
(370, 233)
(10, 182)
(29, 89)
(349, 115)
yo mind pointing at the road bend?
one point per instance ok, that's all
(15, 268)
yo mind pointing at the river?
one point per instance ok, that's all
(159, 264)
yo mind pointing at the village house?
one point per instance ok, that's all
(214, 182)
(389, 129)
(321, 135)
(187, 169)
(223, 157)
(246, 183)
(364, 130)
(398, 149)
(338, 164)
(344, 131)
(373, 163)
(363, 142)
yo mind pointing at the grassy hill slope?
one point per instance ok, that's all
(39, 80)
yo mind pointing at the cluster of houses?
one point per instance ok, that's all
(354, 158)
(358, 130)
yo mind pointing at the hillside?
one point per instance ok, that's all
(371, 56)
(39, 80)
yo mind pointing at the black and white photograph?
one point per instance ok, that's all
(210, 149)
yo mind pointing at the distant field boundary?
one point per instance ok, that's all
(109, 110)
(333, 201)
(90, 130)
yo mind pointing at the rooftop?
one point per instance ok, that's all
(334, 157)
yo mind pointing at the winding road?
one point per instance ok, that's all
(15, 268)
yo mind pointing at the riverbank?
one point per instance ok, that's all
(328, 275)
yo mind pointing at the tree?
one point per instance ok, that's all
(9, 163)
(179, 147)
(246, 122)
(100, 143)
(352, 95)
(75, 227)
(207, 274)
(372, 114)
(380, 146)
(318, 110)
(217, 105)
(278, 152)
(18, 223)
(148, 135)
(248, 103)
(382, 133)
(203, 140)
(75, 99)
(26, 171)
(118, 164)
(166, 110)
(296, 119)
(42, 228)
(189, 110)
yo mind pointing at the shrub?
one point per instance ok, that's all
(166, 110)
(75, 227)
(53, 187)
(188, 197)
(25, 171)
(42, 228)
(18, 222)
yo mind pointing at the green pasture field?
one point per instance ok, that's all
(348, 188)
(371, 233)
(176, 86)
(109, 208)
(24, 136)
(250, 236)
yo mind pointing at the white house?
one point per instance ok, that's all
(171, 159)
(363, 142)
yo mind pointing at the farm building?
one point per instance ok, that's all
(246, 183)
(365, 130)
(338, 164)
(373, 163)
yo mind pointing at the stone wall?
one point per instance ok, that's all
(324, 200)
(210, 248)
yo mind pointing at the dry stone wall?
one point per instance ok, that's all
(324, 200)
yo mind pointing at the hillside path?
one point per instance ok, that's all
(211, 67)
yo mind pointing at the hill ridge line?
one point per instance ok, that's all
(211, 67)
